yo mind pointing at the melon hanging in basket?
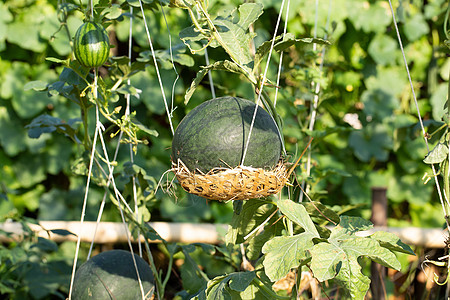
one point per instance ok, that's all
(208, 146)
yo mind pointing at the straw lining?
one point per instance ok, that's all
(239, 183)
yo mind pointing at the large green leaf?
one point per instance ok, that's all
(256, 244)
(285, 252)
(297, 213)
(338, 258)
(370, 18)
(253, 212)
(12, 134)
(382, 49)
(5, 18)
(371, 142)
(235, 34)
(415, 27)
(392, 242)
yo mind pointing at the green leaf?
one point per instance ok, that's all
(437, 155)
(416, 27)
(36, 85)
(190, 36)
(318, 210)
(285, 252)
(371, 142)
(218, 288)
(235, 34)
(392, 242)
(297, 213)
(143, 128)
(338, 258)
(253, 212)
(46, 124)
(256, 244)
(12, 133)
(5, 18)
(383, 48)
(289, 40)
(64, 62)
(224, 65)
(165, 57)
(351, 225)
(112, 12)
(192, 277)
(241, 280)
(370, 18)
(62, 232)
(438, 100)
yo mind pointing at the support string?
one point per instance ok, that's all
(441, 198)
(261, 86)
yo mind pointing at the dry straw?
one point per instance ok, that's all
(239, 183)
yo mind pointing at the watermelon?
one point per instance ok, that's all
(214, 135)
(112, 275)
(91, 45)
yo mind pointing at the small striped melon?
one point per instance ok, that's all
(91, 45)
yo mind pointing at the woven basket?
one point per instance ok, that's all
(240, 183)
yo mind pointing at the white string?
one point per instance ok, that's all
(211, 83)
(127, 113)
(119, 196)
(169, 115)
(441, 198)
(171, 59)
(316, 89)
(258, 101)
(83, 210)
(280, 65)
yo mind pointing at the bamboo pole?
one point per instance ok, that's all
(111, 232)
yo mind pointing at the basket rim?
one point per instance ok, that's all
(238, 183)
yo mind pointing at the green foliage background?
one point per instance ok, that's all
(363, 77)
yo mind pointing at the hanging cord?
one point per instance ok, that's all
(316, 87)
(280, 65)
(127, 113)
(441, 198)
(438, 188)
(261, 86)
(83, 210)
(211, 83)
(172, 108)
(169, 114)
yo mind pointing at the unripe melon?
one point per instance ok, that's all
(91, 45)
(214, 135)
(112, 275)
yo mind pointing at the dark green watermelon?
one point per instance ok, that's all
(112, 275)
(214, 135)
